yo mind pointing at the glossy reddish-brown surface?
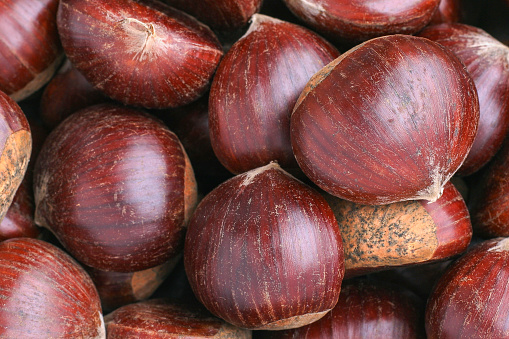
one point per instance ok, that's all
(31, 50)
(115, 187)
(141, 53)
(263, 251)
(487, 61)
(366, 309)
(449, 11)
(471, 299)
(223, 15)
(65, 94)
(162, 319)
(255, 89)
(358, 20)
(390, 120)
(44, 293)
(406, 233)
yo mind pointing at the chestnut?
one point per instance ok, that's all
(487, 61)
(30, 45)
(16, 146)
(449, 11)
(263, 251)
(254, 91)
(116, 188)
(405, 233)
(360, 20)
(142, 53)
(44, 293)
(471, 299)
(389, 120)
(160, 318)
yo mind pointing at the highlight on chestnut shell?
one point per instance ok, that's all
(254, 91)
(142, 53)
(263, 251)
(116, 188)
(390, 120)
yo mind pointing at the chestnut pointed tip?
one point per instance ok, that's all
(501, 246)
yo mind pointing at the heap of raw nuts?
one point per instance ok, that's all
(301, 169)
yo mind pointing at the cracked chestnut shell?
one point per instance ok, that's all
(390, 120)
(116, 188)
(142, 53)
(263, 251)
(44, 293)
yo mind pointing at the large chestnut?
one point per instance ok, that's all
(487, 61)
(141, 53)
(116, 187)
(254, 91)
(390, 120)
(471, 299)
(44, 293)
(30, 46)
(263, 251)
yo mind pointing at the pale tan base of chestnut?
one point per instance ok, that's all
(293, 322)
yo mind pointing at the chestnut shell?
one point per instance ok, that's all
(390, 120)
(116, 188)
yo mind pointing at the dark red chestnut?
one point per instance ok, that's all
(359, 20)
(255, 89)
(390, 120)
(44, 293)
(222, 15)
(487, 61)
(116, 188)
(404, 233)
(67, 93)
(141, 53)
(16, 146)
(449, 11)
(31, 50)
(162, 319)
(366, 309)
(263, 251)
(471, 299)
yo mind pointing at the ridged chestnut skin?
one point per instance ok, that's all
(360, 20)
(221, 15)
(116, 188)
(44, 293)
(67, 92)
(449, 11)
(162, 319)
(405, 233)
(471, 299)
(142, 53)
(30, 45)
(15, 146)
(390, 120)
(263, 251)
(254, 91)
(366, 309)
(487, 61)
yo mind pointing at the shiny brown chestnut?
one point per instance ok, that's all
(471, 299)
(221, 15)
(487, 61)
(44, 293)
(449, 11)
(390, 120)
(254, 91)
(65, 94)
(16, 147)
(142, 53)
(30, 45)
(405, 233)
(366, 309)
(116, 187)
(161, 319)
(263, 251)
(360, 20)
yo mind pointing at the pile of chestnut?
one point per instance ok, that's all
(239, 168)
